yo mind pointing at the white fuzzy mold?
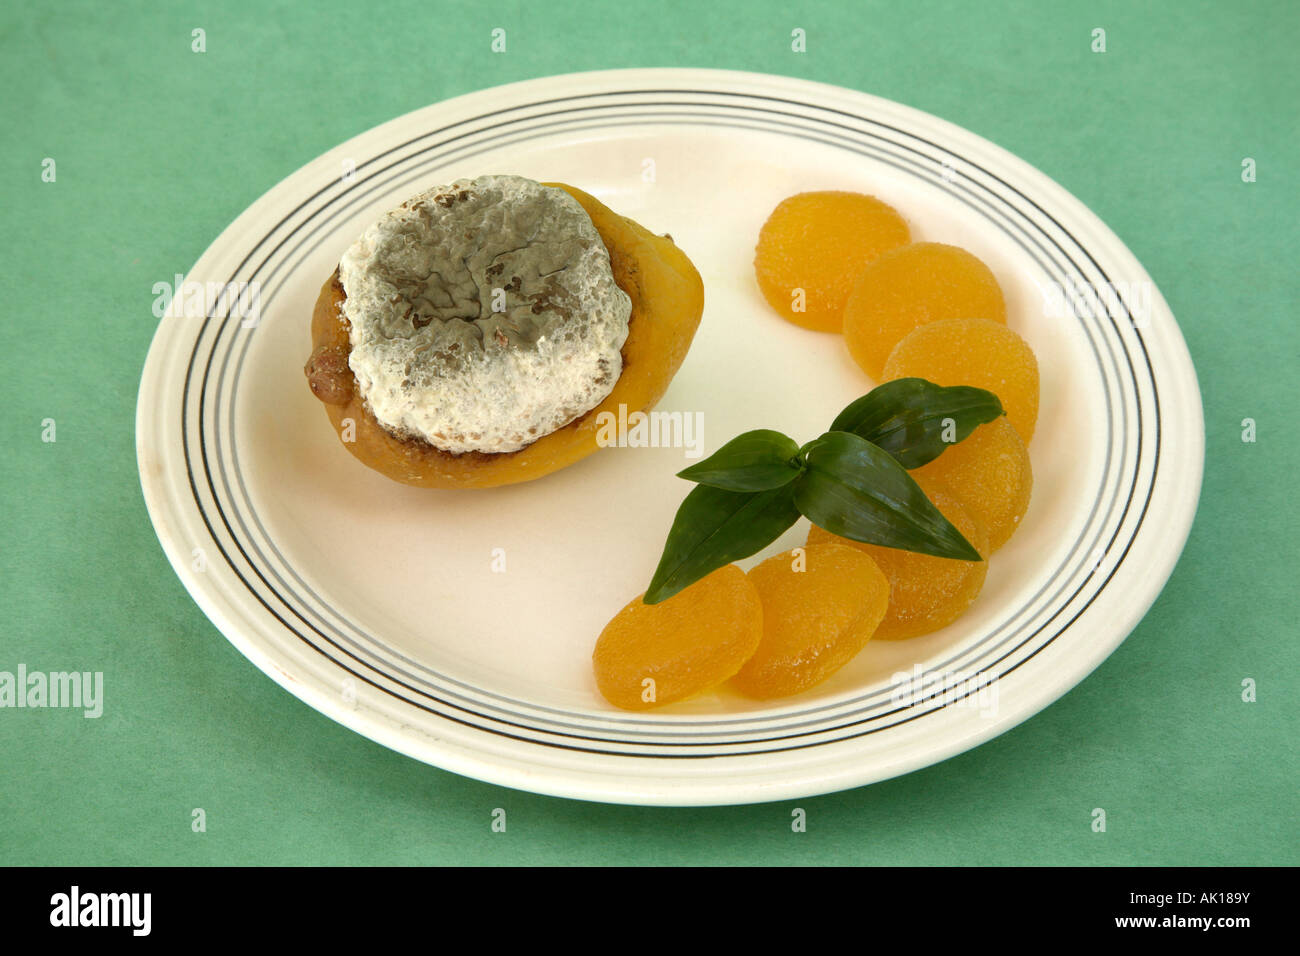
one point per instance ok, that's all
(484, 315)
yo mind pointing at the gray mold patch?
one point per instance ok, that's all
(484, 314)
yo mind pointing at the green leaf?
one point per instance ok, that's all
(857, 490)
(915, 420)
(714, 527)
(755, 461)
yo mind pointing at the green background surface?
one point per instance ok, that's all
(159, 148)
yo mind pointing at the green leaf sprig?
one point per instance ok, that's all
(852, 481)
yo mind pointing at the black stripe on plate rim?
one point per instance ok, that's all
(494, 147)
(522, 106)
(769, 723)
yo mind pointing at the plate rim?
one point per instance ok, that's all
(585, 785)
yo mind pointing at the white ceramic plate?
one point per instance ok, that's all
(385, 607)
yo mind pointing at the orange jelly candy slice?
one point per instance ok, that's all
(654, 654)
(973, 352)
(990, 473)
(908, 287)
(925, 592)
(820, 607)
(813, 247)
